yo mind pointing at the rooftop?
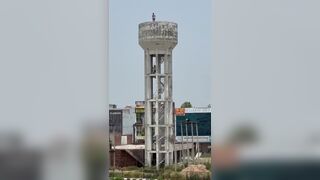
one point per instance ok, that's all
(142, 146)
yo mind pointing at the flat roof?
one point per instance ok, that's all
(131, 146)
(142, 146)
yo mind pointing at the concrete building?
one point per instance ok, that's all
(115, 123)
(138, 127)
(200, 117)
(134, 154)
(129, 118)
(121, 121)
(158, 38)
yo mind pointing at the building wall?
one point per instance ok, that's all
(203, 120)
(117, 139)
(115, 121)
(129, 118)
(205, 147)
(201, 116)
(139, 125)
(123, 159)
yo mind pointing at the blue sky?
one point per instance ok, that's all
(191, 57)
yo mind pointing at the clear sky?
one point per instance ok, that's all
(265, 63)
(191, 57)
(52, 67)
(266, 68)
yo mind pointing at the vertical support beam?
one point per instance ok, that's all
(114, 147)
(148, 110)
(174, 136)
(171, 108)
(157, 133)
(134, 133)
(182, 152)
(175, 159)
(197, 138)
(188, 154)
(167, 155)
(156, 95)
(192, 141)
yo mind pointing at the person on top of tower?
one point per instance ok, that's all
(153, 17)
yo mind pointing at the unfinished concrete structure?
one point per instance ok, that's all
(158, 38)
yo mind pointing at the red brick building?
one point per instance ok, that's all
(127, 155)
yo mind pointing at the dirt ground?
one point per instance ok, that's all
(199, 169)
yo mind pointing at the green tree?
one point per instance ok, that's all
(186, 104)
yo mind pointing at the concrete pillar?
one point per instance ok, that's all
(192, 151)
(182, 152)
(188, 153)
(198, 150)
(158, 39)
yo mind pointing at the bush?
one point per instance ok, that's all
(206, 155)
(179, 168)
(149, 175)
(115, 176)
(150, 170)
(130, 168)
(198, 177)
(166, 174)
(176, 176)
(185, 164)
(133, 174)
(208, 165)
(168, 168)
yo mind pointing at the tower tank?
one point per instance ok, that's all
(158, 39)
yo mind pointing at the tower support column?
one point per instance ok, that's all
(158, 39)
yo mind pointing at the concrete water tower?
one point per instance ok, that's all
(158, 38)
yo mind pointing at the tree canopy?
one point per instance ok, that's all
(186, 104)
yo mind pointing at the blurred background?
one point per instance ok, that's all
(265, 89)
(53, 89)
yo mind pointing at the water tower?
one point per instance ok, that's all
(158, 38)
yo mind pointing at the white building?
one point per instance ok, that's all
(129, 118)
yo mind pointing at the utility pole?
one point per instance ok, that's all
(174, 147)
(197, 138)
(182, 152)
(113, 145)
(192, 141)
(188, 154)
